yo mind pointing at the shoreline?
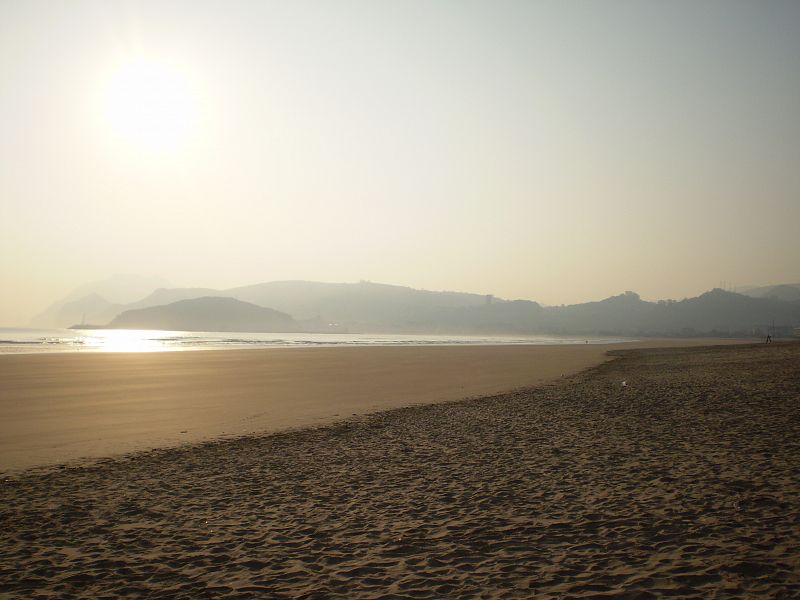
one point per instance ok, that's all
(140, 341)
(58, 408)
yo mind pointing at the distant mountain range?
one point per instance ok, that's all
(321, 306)
(99, 301)
(371, 307)
(786, 291)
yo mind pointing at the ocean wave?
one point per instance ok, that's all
(154, 341)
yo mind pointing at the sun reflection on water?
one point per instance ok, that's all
(124, 340)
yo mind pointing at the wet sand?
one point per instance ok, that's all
(684, 482)
(56, 408)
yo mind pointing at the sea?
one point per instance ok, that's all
(34, 341)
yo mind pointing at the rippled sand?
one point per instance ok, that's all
(683, 482)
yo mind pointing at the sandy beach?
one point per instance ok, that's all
(60, 407)
(683, 482)
(57, 408)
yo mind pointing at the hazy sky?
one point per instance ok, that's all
(557, 151)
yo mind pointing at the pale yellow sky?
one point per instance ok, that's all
(556, 151)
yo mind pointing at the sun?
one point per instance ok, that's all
(150, 104)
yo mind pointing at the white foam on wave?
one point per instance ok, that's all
(15, 341)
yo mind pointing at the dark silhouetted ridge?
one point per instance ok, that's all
(210, 313)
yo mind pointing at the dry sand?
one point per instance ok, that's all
(60, 407)
(684, 482)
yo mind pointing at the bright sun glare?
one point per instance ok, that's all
(124, 340)
(150, 104)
